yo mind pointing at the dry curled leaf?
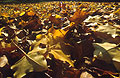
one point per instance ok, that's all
(79, 16)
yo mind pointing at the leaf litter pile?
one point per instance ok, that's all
(60, 40)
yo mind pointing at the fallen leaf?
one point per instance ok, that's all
(78, 17)
(35, 62)
(117, 11)
(62, 5)
(104, 73)
(58, 16)
(55, 20)
(5, 14)
(83, 49)
(3, 61)
(1, 30)
(101, 51)
(31, 13)
(58, 54)
(108, 52)
(6, 47)
(22, 13)
(86, 75)
(57, 33)
(115, 55)
(55, 46)
(62, 69)
(34, 24)
(107, 37)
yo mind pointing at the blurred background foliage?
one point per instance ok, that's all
(36, 1)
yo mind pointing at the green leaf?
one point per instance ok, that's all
(35, 62)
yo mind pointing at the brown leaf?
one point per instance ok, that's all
(34, 24)
(62, 70)
(103, 65)
(62, 5)
(55, 21)
(6, 47)
(72, 73)
(78, 17)
(57, 67)
(107, 37)
(83, 49)
(104, 73)
(1, 75)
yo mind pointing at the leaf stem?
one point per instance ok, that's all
(26, 54)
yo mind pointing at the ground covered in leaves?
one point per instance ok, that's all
(60, 40)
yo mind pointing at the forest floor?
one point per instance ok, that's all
(60, 40)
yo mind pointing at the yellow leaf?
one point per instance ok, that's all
(10, 21)
(8, 45)
(5, 14)
(16, 12)
(58, 54)
(39, 36)
(1, 30)
(57, 32)
(31, 13)
(23, 23)
(21, 14)
(58, 16)
(117, 11)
